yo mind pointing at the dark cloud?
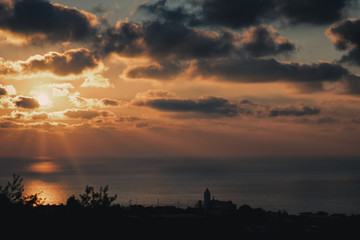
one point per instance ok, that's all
(234, 13)
(2, 91)
(142, 125)
(27, 102)
(54, 21)
(127, 119)
(206, 105)
(169, 39)
(221, 107)
(109, 102)
(346, 36)
(245, 13)
(264, 40)
(325, 120)
(320, 120)
(125, 38)
(160, 39)
(350, 85)
(74, 61)
(166, 39)
(163, 12)
(83, 114)
(8, 124)
(292, 111)
(356, 120)
(269, 70)
(164, 70)
(314, 12)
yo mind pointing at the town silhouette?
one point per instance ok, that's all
(94, 212)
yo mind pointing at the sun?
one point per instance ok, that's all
(43, 99)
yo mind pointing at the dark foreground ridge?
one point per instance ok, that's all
(94, 214)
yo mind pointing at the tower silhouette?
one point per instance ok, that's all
(207, 198)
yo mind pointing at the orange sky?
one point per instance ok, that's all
(165, 78)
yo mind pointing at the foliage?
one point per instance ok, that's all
(33, 200)
(92, 199)
(13, 192)
(73, 202)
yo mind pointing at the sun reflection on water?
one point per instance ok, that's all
(50, 193)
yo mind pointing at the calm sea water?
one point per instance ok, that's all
(292, 184)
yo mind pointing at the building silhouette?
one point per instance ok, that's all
(216, 207)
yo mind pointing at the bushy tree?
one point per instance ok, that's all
(13, 190)
(93, 199)
(13, 193)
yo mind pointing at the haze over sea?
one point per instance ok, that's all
(330, 184)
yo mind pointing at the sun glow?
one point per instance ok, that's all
(50, 193)
(43, 99)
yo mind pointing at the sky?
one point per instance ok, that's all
(189, 78)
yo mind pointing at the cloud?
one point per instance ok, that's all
(160, 10)
(292, 111)
(127, 119)
(349, 85)
(268, 70)
(43, 20)
(43, 125)
(346, 36)
(26, 102)
(97, 81)
(155, 94)
(314, 12)
(245, 13)
(264, 40)
(142, 125)
(209, 106)
(40, 116)
(186, 43)
(160, 71)
(30, 116)
(79, 62)
(2, 91)
(82, 102)
(82, 114)
(126, 38)
(166, 39)
(9, 124)
(160, 40)
(9, 67)
(235, 14)
(74, 61)
(58, 89)
(206, 105)
(110, 102)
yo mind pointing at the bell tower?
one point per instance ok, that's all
(207, 198)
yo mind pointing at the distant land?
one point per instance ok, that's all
(94, 212)
(293, 184)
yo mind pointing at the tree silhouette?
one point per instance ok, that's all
(92, 199)
(13, 193)
(13, 190)
(33, 200)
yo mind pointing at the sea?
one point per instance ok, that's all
(291, 184)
